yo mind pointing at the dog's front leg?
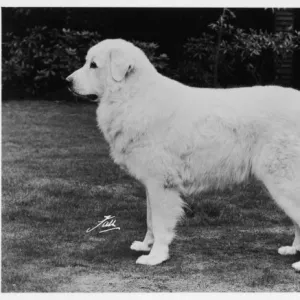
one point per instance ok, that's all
(166, 209)
(292, 250)
(146, 244)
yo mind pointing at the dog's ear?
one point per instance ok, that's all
(120, 64)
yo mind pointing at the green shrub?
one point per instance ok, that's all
(242, 57)
(160, 61)
(196, 67)
(38, 62)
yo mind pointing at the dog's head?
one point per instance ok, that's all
(109, 65)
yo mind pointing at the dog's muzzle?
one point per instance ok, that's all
(91, 97)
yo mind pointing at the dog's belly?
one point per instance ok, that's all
(211, 169)
(208, 166)
(207, 159)
(214, 177)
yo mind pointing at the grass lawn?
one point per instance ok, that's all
(58, 180)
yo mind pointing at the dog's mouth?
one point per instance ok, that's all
(91, 97)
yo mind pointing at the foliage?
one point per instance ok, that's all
(38, 61)
(238, 52)
(198, 57)
(41, 60)
(160, 61)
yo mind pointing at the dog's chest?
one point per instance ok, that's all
(119, 131)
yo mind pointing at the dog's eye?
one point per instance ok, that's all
(93, 65)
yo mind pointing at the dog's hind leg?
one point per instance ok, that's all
(166, 209)
(292, 208)
(146, 244)
(282, 179)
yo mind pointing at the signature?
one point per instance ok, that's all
(109, 222)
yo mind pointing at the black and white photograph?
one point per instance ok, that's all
(150, 149)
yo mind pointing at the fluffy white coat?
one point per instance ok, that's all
(178, 140)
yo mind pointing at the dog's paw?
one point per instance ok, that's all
(151, 260)
(296, 266)
(140, 246)
(287, 250)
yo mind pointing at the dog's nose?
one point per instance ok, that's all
(69, 81)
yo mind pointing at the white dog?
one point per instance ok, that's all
(179, 140)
